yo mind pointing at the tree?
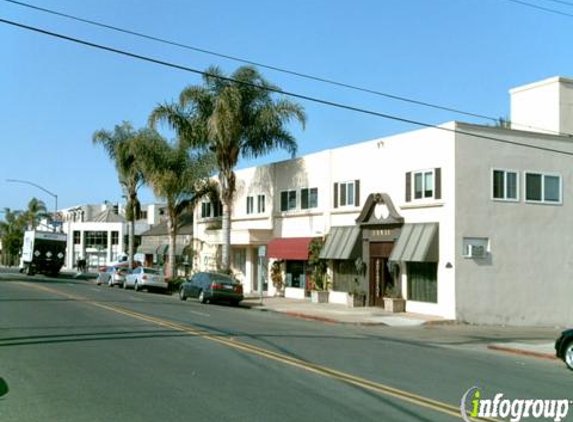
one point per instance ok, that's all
(179, 177)
(233, 116)
(120, 146)
(35, 212)
(12, 234)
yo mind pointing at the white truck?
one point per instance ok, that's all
(43, 252)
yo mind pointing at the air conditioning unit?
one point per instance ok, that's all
(476, 251)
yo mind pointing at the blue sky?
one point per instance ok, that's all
(54, 94)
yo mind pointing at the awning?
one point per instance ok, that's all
(146, 249)
(293, 248)
(342, 243)
(164, 249)
(417, 243)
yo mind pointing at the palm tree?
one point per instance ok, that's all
(12, 234)
(120, 146)
(35, 212)
(178, 177)
(233, 116)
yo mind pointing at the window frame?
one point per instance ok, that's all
(543, 175)
(345, 185)
(423, 174)
(308, 196)
(261, 202)
(505, 185)
(250, 205)
(290, 193)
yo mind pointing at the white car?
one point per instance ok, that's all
(145, 278)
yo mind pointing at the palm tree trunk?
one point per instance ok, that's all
(172, 228)
(226, 227)
(131, 242)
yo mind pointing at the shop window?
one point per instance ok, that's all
(422, 281)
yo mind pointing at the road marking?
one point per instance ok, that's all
(364, 383)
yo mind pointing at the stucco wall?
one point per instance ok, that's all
(526, 279)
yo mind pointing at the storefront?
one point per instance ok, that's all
(294, 253)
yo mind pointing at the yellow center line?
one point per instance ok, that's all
(403, 395)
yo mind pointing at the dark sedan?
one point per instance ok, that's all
(212, 287)
(564, 347)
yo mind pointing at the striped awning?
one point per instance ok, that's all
(417, 243)
(342, 243)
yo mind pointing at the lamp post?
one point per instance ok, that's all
(26, 182)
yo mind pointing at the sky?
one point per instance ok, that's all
(54, 94)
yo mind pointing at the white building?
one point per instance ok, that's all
(99, 233)
(469, 222)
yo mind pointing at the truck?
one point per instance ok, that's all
(43, 252)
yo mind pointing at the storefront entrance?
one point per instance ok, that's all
(380, 279)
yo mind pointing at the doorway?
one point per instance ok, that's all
(380, 278)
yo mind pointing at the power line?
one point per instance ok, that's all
(546, 9)
(276, 90)
(567, 3)
(254, 63)
(278, 69)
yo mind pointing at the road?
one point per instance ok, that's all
(73, 351)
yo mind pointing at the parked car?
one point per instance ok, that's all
(145, 278)
(112, 276)
(212, 287)
(564, 347)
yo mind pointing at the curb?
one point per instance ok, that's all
(326, 320)
(529, 353)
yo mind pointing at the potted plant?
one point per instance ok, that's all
(319, 292)
(393, 300)
(277, 278)
(356, 296)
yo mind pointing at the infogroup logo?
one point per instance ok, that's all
(474, 405)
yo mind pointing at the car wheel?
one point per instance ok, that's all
(568, 355)
(202, 297)
(182, 294)
(136, 287)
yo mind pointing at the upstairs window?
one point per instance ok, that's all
(347, 194)
(543, 188)
(308, 198)
(250, 204)
(505, 185)
(261, 203)
(211, 209)
(423, 185)
(288, 200)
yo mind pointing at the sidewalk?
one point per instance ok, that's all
(535, 342)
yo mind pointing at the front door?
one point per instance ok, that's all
(380, 277)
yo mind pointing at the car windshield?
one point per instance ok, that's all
(151, 271)
(221, 279)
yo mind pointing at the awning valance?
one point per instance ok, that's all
(417, 243)
(146, 249)
(293, 248)
(342, 243)
(164, 249)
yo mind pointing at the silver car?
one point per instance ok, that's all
(145, 278)
(112, 276)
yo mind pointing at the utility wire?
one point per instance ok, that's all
(546, 9)
(276, 90)
(276, 68)
(567, 3)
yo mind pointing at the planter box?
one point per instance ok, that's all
(319, 296)
(355, 301)
(394, 305)
(340, 298)
(294, 293)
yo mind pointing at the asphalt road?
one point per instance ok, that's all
(72, 351)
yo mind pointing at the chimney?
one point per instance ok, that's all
(545, 106)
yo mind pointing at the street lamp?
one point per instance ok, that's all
(26, 182)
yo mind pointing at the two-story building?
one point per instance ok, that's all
(467, 222)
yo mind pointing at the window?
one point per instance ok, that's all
(504, 185)
(77, 237)
(543, 188)
(250, 204)
(217, 208)
(424, 184)
(288, 200)
(308, 198)
(260, 204)
(423, 281)
(96, 239)
(240, 260)
(144, 215)
(115, 238)
(205, 209)
(211, 209)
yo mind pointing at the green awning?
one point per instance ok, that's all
(417, 243)
(164, 249)
(342, 243)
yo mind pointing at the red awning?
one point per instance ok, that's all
(292, 248)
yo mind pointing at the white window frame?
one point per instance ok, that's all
(413, 185)
(543, 200)
(505, 173)
(250, 205)
(346, 184)
(296, 202)
(468, 243)
(309, 193)
(261, 200)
